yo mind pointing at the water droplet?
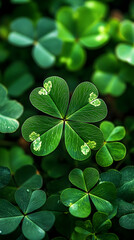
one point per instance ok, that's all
(33, 136)
(85, 149)
(91, 144)
(28, 190)
(93, 100)
(42, 91)
(48, 86)
(37, 144)
(0, 231)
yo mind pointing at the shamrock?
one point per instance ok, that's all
(44, 40)
(81, 28)
(78, 200)
(34, 223)
(97, 229)
(109, 76)
(111, 149)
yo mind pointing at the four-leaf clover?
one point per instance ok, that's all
(53, 99)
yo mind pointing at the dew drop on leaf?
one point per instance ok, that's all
(93, 100)
(85, 149)
(33, 136)
(42, 91)
(91, 144)
(48, 86)
(37, 144)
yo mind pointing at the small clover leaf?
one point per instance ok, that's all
(5, 176)
(26, 176)
(46, 44)
(109, 76)
(124, 181)
(126, 198)
(53, 99)
(111, 150)
(17, 79)
(34, 223)
(78, 200)
(14, 158)
(31, 179)
(10, 110)
(125, 51)
(10, 217)
(80, 28)
(97, 229)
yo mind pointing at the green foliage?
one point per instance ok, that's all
(125, 51)
(14, 159)
(111, 149)
(34, 224)
(69, 176)
(124, 181)
(126, 194)
(81, 28)
(4, 176)
(17, 77)
(31, 180)
(45, 132)
(78, 201)
(109, 76)
(96, 230)
(10, 110)
(45, 43)
(20, 1)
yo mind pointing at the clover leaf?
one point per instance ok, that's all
(10, 217)
(5, 176)
(124, 181)
(109, 76)
(96, 230)
(31, 179)
(125, 51)
(14, 159)
(45, 131)
(17, 77)
(80, 28)
(10, 110)
(53, 167)
(126, 198)
(78, 200)
(26, 176)
(46, 44)
(34, 223)
(111, 149)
